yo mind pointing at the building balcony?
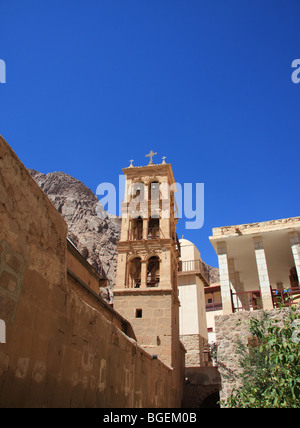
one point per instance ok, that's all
(246, 300)
(286, 296)
(194, 266)
(251, 300)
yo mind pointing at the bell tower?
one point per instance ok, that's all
(146, 291)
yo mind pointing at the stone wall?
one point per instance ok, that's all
(195, 345)
(156, 326)
(152, 326)
(62, 349)
(230, 329)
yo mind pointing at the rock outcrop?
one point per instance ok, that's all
(213, 273)
(94, 233)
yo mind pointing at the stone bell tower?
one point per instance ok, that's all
(146, 290)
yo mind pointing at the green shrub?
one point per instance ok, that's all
(270, 364)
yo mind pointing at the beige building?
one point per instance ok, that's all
(213, 306)
(200, 302)
(192, 278)
(146, 291)
(202, 381)
(259, 264)
(259, 268)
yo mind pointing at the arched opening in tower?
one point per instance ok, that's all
(153, 271)
(134, 273)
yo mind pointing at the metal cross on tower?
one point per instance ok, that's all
(150, 155)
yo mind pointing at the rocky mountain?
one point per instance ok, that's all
(94, 233)
(213, 273)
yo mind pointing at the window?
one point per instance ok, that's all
(154, 190)
(137, 229)
(153, 228)
(139, 313)
(137, 190)
(153, 272)
(134, 273)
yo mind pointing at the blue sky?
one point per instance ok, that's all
(91, 84)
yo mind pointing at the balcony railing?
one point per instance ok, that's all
(214, 306)
(153, 233)
(286, 296)
(136, 234)
(194, 266)
(246, 301)
(153, 281)
(251, 300)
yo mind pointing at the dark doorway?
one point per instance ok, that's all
(211, 402)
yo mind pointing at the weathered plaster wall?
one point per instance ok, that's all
(61, 350)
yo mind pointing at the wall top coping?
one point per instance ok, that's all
(291, 223)
(150, 170)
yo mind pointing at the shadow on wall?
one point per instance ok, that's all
(202, 386)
